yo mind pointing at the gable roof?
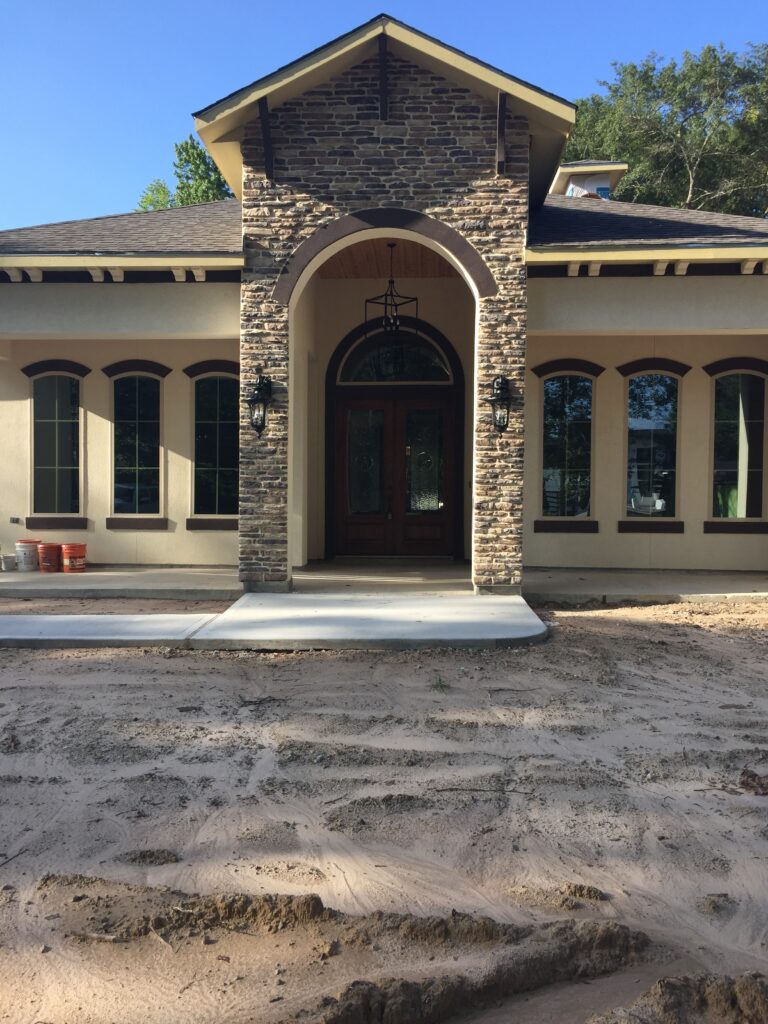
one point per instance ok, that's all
(210, 229)
(551, 118)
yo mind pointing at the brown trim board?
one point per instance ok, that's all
(213, 366)
(653, 365)
(55, 366)
(735, 526)
(137, 523)
(737, 363)
(211, 524)
(651, 526)
(56, 523)
(583, 366)
(136, 366)
(566, 526)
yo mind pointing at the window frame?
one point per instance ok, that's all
(407, 329)
(81, 447)
(161, 513)
(710, 515)
(677, 517)
(541, 514)
(223, 517)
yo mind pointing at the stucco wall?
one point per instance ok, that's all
(691, 550)
(174, 545)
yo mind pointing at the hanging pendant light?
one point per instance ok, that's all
(383, 312)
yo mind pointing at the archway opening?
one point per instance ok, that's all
(381, 448)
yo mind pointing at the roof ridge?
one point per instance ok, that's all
(115, 216)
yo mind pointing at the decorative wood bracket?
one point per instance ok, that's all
(383, 84)
(266, 139)
(501, 134)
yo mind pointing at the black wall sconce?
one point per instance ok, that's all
(259, 401)
(501, 400)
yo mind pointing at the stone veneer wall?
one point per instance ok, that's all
(436, 153)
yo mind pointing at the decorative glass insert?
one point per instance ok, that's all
(137, 445)
(423, 461)
(739, 442)
(365, 461)
(567, 470)
(217, 448)
(652, 445)
(388, 358)
(56, 415)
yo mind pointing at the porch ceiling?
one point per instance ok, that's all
(371, 259)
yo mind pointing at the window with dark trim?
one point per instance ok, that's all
(567, 446)
(739, 441)
(217, 449)
(56, 444)
(137, 446)
(652, 445)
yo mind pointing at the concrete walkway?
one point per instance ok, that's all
(297, 622)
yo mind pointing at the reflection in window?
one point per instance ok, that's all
(567, 446)
(387, 358)
(217, 448)
(137, 445)
(56, 414)
(739, 438)
(423, 460)
(365, 458)
(652, 445)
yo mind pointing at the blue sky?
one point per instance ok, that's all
(95, 93)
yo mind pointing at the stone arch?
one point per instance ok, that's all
(393, 218)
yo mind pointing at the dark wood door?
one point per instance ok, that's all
(395, 480)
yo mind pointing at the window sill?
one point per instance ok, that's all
(651, 526)
(566, 526)
(212, 523)
(41, 522)
(137, 523)
(735, 526)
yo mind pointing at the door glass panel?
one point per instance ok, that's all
(423, 461)
(365, 447)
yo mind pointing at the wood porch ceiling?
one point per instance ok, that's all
(371, 259)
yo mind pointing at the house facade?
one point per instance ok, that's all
(469, 351)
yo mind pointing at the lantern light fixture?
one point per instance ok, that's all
(259, 401)
(390, 302)
(501, 400)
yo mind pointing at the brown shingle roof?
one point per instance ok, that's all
(565, 221)
(210, 229)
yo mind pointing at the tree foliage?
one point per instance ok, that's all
(198, 180)
(695, 134)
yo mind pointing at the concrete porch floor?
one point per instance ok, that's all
(390, 576)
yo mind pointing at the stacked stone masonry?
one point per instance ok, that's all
(436, 153)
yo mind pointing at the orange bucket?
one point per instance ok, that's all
(49, 557)
(73, 557)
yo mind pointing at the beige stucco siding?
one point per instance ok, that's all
(175, 545)
(648, 305)
(690, 550)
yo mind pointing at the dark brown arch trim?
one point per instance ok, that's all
(582, 366)
(56, 366)
(213, 366)
(136, 366)
(737, 363)
(653, 365)
(385, 217)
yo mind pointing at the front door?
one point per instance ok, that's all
(395, 484)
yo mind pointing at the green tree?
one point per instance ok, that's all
(695, 134)
(198, 180)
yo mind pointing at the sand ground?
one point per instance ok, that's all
(593, 779)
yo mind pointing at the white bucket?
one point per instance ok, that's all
(8, 563)
(26, 555)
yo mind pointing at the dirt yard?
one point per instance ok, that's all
(528, 836)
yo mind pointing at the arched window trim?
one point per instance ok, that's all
(737, 364)
(654, 367)
(568, 367)
(215, 367)
(64, 367)
(136, 368)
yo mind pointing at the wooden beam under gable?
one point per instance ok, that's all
(501, 133)
(383, 82)
(266, 139)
